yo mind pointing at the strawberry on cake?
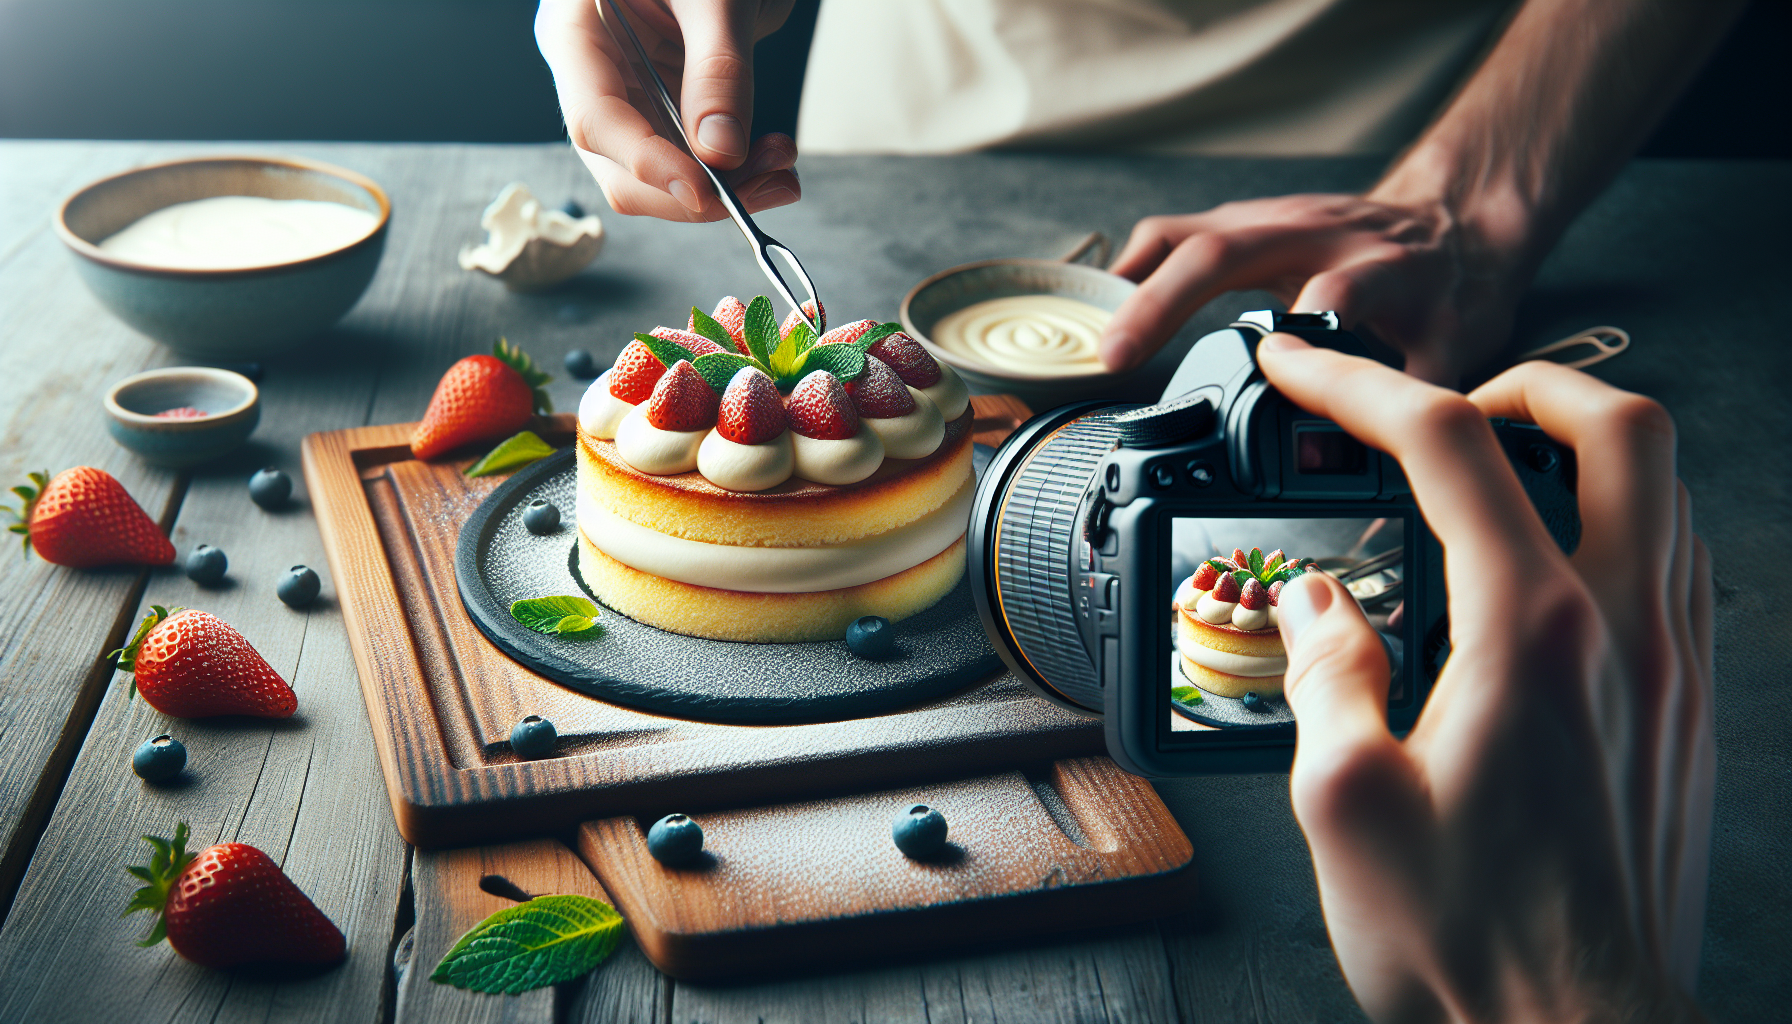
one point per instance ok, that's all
(1227, 639)
(741, 480)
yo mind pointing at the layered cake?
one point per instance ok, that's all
(742, 480)
(1227, 639)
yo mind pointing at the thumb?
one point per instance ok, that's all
(1337, 686)
(717, 100)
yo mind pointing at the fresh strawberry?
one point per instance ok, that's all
(185, 412)
(1253, 596)
(752, 411)
(731, 313)
(228, 905)
(910, 361)
(1275, 558)
(192, 664)
(846, 334)
(636, 371)
(682, 400)
(878, 393)
(1227, 588)
(481, 397)
(795, 318)
(819, 407)
(696, 344)
(83, 517)
(1239, 559)
(1205, 577)
(1275, 591)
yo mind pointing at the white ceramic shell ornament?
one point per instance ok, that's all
(530, 248)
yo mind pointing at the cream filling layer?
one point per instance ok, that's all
(950, 394)
(838, 461)
(733, 466)
(913, 435)
(652, 450)
(1246, 665)
(600, 412)
(777, 570)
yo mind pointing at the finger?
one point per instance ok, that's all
(631, 197)
(774, 151)
(1459, 475)
(716, 99)
(1195, 271)
(779, 188)
(1626, 486)
(1380, 287)
(1151, 240)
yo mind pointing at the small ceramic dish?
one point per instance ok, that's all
(951, 290)
(234, 314)
(229, 404)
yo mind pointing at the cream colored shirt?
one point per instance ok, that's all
(1239, 77)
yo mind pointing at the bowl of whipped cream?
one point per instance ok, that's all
(228, 257)
(1027, 327)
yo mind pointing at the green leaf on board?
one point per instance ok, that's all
(572, 618)
(1185, 694)
(718, 368)
(761, 329)
(519, 450)
(704, 324)
(843, 361)
(667, 352)
(543, 942)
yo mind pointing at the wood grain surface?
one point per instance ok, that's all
(1687, 256)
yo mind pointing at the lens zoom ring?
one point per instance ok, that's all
(1033, 553)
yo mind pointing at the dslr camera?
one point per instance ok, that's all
(1127, 560)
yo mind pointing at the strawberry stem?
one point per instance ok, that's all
(127, 655)
(27, 495)
(532, 375)
(163, 870)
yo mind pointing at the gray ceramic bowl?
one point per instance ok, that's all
(223, 314)
(230, 401)
(952, 290)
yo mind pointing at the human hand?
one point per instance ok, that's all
(1538, 846)
(1431, 283)
(704, 51)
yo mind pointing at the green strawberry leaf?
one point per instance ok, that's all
(761, 329)
(1255, 558)
(704, 324)
(127, 655)
(718, 368)
(166, 862)
(667, 352)
(1185, 694)
(843, 361)
(519, 450)
(533, 375)
(543, 942)
(571, 618)
(875, 335)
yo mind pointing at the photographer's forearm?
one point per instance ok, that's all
(1568, 93)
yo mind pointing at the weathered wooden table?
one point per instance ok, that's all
(1689, 257)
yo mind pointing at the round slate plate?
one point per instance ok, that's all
(497, 561)
(1227, 712)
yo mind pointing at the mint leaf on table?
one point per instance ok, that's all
(573, 618)
(516, 451)
(543, 942)
(1185, 695)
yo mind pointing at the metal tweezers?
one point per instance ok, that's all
(671, 125)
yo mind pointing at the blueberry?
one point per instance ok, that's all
(675, 840)
(206, 565)
(919, 832)
(572, 209)
(1252, 702)
(159, 759)
(871, 637)
(533, 738)
(270, 488)
(298, 587)
(580, 365)
(542, 517)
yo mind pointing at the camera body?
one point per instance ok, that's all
(1090, 516)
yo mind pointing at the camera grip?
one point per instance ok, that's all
(1547, 471)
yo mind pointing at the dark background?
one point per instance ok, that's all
(468, 71)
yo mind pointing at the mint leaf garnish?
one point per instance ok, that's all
(718, 368)
(572, 618)
(784, 361)
(543, 942)
(875, 335)
(519, 450)
(760, 329)
(667, 352)
(1185, 695)
(1255, 558)
(802, 336)
(704, 324)
(843, 361)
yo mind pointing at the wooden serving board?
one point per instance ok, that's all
(1046, 835)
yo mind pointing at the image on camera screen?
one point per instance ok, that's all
(1226, 653)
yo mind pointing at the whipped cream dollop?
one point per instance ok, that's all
(600, 412)
(949, 393)
(652, 450)
(913, 435)
(733, 466)
(837, 462)
(1031, 335)
(1204, 606)
(777, 570)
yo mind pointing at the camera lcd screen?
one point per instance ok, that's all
(1227, 659)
